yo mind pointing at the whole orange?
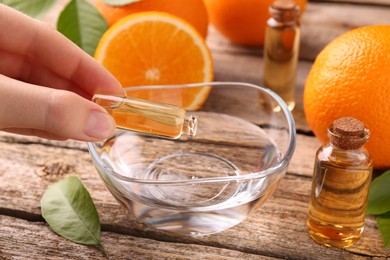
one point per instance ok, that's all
(242, 22)
(193, 11)
(351, 77)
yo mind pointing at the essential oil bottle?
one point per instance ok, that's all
(341, 181)
(149, 117)
(281, 49)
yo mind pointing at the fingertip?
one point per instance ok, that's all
(54, 114)
(99, 125)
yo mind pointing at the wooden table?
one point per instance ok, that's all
(276, 230)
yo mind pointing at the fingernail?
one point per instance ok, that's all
(99, 125)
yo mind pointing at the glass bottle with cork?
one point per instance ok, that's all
(281, 49)
(341, 181)
(149, 117)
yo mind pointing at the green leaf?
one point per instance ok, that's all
(83, 24)
(34, 8)
(379, 196)
(120, 2)
(383, 222)
(69, 210)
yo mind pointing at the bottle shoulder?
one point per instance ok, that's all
(351, 158)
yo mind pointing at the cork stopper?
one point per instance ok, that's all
(348, 133)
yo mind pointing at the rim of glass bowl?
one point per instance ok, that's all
(255, 175)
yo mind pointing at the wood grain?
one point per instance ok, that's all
(21, 239)
(275, 231)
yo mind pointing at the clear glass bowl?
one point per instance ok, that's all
(206, 184)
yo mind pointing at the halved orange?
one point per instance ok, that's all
(156, 48)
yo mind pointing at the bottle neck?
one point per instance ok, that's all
(284, 11)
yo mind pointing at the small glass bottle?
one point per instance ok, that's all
(341, 182)
(281, 49)
(154, 118)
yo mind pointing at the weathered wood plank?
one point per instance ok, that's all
(21, 239)
(277, 230)
(302, 162)
(323, 22)
(248, 68)
(274, 230)
(268, 230)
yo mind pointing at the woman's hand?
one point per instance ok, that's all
(46, 83)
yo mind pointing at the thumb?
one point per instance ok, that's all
(59, 113)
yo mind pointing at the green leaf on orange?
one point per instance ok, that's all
(33, 8)
(379, 196)
(383, 222)
(82, 24)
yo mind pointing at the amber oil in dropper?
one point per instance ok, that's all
(281, 49)
(341, 181)
(150, 117)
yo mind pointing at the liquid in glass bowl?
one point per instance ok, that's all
(208, 183)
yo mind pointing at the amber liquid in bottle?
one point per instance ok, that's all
(153, 118)
(281, 49)
(340, 187)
